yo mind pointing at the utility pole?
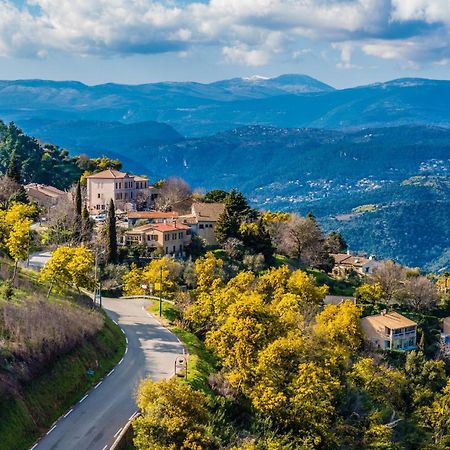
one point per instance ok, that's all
(160, 292)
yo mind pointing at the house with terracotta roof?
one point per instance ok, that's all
(125, 189)
(346, 263)
(46, 196)
(149, 217)
(170, 236)
(203, 219)
(390, 331)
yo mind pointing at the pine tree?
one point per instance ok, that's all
(227, 226)
(111, 235)
(13, 172)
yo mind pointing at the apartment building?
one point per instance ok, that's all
(125, 189)
(170, 236)
(390, 331)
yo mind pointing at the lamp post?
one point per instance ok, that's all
(160, 292)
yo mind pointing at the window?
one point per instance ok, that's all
(201, 226)
(167, 250)
(98, 195)
(103, 206)
(174, 236)
(166, 237)
(180, 235)
(174, 249)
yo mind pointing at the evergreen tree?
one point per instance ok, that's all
(78, 200)
(237, 204)
(227, 226)
(86, 225)
(13, 170)
(111, 235)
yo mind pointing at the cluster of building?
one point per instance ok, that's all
(171, 231)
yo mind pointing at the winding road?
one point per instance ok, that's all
(95, 421)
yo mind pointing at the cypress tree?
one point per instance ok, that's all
(78, 200)
(111, 234)
(13, 170)
(86, 224)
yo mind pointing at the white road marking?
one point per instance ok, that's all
(123, 331)
(120, 362)
(126, 350)
(126, 340)
(105, 447)
(120, 429)
(110, 372)
(98, 384)
(115, 322)
(51, 429)
(67, 413)
(34, 446)
(83, 399)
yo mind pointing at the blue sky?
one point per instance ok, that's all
(341, 42)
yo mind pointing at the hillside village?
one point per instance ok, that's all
(283, 315)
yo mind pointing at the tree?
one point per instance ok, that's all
(18, 242)
(391, 277)
(303, 239)
(86, 225)
(227, 226)
(335, 243)
(78, 200)
(111, 235)
(165, 269)
(248, 327)
(215, 196)
(172, 190)
(339, 325)
(369, 293)
(420, 293)
(257, 239)
(69, 267)
(132, 281)
(436, 419)
(13, 172)
(173, 416)
(8, 188)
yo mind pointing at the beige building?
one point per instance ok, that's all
(203, 219)
(171, 236)
(46, 196)
(345, 264)
(126, 190)
(390, 331)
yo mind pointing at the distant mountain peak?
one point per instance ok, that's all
(255, 78)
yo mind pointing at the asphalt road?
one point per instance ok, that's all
(97, 419)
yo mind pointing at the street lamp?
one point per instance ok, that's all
(160, 291)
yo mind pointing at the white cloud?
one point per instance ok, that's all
(243, 55)
(247, 31)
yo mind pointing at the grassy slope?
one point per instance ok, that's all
(24, 418)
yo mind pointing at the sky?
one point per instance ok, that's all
(341, 42)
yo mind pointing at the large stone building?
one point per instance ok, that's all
(125, 189)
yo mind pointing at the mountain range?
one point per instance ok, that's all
(371, 161)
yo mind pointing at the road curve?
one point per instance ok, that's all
(93, 423)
